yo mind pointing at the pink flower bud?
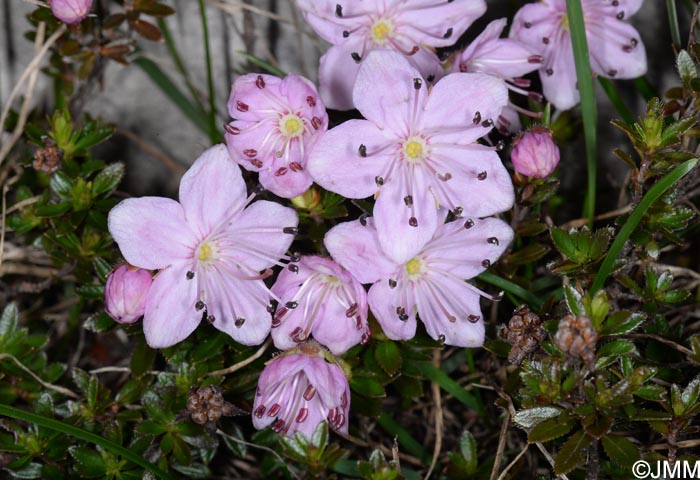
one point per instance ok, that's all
(125, 293)
(535, 154)
(71, 11)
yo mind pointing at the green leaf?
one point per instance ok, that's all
(529, 254)
(94, 292)
(621, 322)
(388, 357)
(150, 427)
(52, 209)
(8, 322)
(636, 216)
(319, 438)
(512, 288)
(367, 387)
(467, 445)
(107, 180)
(620, 450)
(564, 242)
(88, 462)
(142, 358)
(551, 428)
(686, 68)
(574, 300)
(404, 437)
(261, 63)
(571, 453)
(530, 417)
(617, 347)
(450, 386)
(61, 184)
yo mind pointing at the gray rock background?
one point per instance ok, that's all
(273, 30)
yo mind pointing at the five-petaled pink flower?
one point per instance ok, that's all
(70, 11)
(417, 149)
(210, 249)
(299, 390)
(321, 299)
(276, 122)
(355, 27)
(615, 48)
(505, 58)
(430, 284)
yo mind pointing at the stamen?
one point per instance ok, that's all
(486, 263)
(521, 82)
(260, 82)
(241, 107)
(346, 34)
(281, 171)
(448, 33)
(291, 305)
(293, 268)
(417, 83)
(338, 10)
(356, 56)
(260, 411)
(296, 167)
(199, 305)
(295, 257)
(311, 101)
(290, 230)
(482, 175)
(363, 219)
(469, 223)
(303, 413)
(473, 318)
(362, 150)
(549, 72)
(316, 123)
(413, 221)
(230, 129)
(250, 152)
(536, 58)
(189, 275)
(500, 145)
(392, 283)
(527, 24)
(458, 211)
(620, 15)
(401, 312)
(309, 393)
(477, 117)
(239, 322)
(487, 123)
(492, 240)
(350, 312)
(408, 200)
(612, 72)
(379, 181)
(278, 426)
(430, 78)
(211, 319)
(441, 339)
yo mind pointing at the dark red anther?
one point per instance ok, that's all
(311, 101)
(352, 310)
(414, 50)
(274, 410)
(535, 59)
(463, 67)
(260, 82)
(358, 322)
(303, 413)
(316, 122)
(256, 162)
(230, 129)
(250, 152)
(473, 318)
(278, 426)
(241, 107)
(260, 411)
(309, 393)
(344, 400)
(280, 171)
(296, 167)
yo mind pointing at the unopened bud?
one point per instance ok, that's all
(535, 154)
(70, 11)
(125, 293)
(307, 200)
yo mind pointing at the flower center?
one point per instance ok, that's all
(414, 149)
(291, 126)
(381, 30)
(565, 21)
(205, 252)
(413, 266)
(330, 280)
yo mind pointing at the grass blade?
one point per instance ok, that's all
(616, 101)
(645, 88)
(436, 375)
(168, 87)
(512, 288)
(210, 76)
(588, 106)
(404, 438)
(84, 435)
(650, 197)
(673, 23)
(262, 64)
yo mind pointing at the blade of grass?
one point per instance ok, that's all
(645, 87)
(213, 131)
(635, 217)
(168, 87)
(512, 288)
(84, 435)
(436, 375)
(262, 64)
(588, 106)
(177, 60)
(673, 23)
(616, 101)
(404, 438)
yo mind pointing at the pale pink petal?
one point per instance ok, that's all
(439, 24)
(456, 99)
(481, 242)
(535, 21)
(255, 146)
(251, 103)
(384, 90)
(559, 81)
(384, 300)
(612, 54)
(404, 230)
(356, 247)
(151, 232)
(321, 15)
(257, 237)
(479, 182)
(170, 315)
(337, 72)
(285, 182)
(212, 190)
(335, 162)
(336, 330)
(301, 95)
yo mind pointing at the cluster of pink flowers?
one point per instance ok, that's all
(420, 151)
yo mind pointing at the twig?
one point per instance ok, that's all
(24, 203)
(151, 150)
(438, 417)
(502, 476)
(663, 340)
(30, 73)
(501, 446)
(579, 222)
(242, 363)
(50, 386)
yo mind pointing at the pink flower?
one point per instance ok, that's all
(535, 154)
(431, 284)
(70, 11)
(418, 149)
(210, 249)
(126, 291)
(322, 299)
(277, 122)
(355, 27)
(505, 58)
(298, 391)
(615, 48)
